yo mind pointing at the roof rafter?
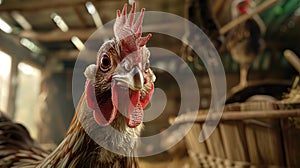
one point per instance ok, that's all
(13, 5)
(84, 34)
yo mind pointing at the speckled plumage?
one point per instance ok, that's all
(18, 150)
(79, 150)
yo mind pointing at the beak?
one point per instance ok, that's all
(133, 79)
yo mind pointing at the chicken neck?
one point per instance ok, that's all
(78, 149)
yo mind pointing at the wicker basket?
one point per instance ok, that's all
(254, 134)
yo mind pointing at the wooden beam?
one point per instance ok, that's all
(84, 34)
(72, 55)
(11, 45)
(242, 115)
(67, 55)
(57, 35)
(13, 5)
(247, 16)
(80, 17)
(34, 5)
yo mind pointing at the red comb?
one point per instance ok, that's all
(242, 7)
(129, 33)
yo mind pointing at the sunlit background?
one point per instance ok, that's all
(5, 68)
(28, 80)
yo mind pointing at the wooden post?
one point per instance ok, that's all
(11, 107)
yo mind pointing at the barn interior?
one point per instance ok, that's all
(201, 68)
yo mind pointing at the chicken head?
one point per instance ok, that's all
(121, 81)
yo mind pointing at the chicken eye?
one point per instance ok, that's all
(105, 62)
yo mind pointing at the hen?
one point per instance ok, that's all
(117, 90)
(245, 41)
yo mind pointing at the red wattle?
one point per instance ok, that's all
(146, 99)
(90, 94)
(103, 110)
(136, 112)
(134, 100)
(135, 118)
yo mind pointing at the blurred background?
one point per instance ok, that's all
(40, 42)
